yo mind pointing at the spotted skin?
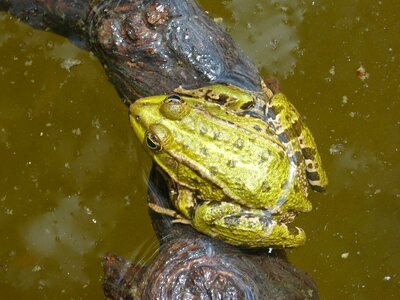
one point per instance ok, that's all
(283, 118)
(239, 163)
(288, 125)
(230, 176)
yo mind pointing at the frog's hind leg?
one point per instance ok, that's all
(316, 175)
(250, 228)
(290, 128)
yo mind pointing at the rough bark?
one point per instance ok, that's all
(147, 46)
(151, 47)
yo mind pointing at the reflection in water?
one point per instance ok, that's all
(268, 29)
(55, 248)
(72, 176)
(350, 161)
(60, 236)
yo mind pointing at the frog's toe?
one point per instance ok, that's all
(283, 236)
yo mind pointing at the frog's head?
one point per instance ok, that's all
(147, 115)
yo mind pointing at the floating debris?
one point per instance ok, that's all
(352, 114)
(68, 63)
(76, 131)
(332, 70)
(219, 20)
(345, 255)
(387, 278)
(362, 73)
(336, 149)
(36, 268)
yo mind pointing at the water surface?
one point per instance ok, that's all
(73, 176)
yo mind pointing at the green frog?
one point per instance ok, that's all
(239, 163)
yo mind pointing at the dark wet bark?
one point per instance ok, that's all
(147, 46)
(151, 47)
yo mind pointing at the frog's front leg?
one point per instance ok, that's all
(250, 228)
(183, 200)
(177, 218)
(290, 128)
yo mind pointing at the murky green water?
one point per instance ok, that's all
(73, 178)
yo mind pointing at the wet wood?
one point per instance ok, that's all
(147, 46)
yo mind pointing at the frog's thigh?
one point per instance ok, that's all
(315, 173)
(292, 120)
(244, 227)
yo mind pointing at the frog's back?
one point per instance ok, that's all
(239, 155)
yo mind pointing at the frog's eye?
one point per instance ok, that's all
(158, 137)
(174, 99)
(174, 107)
(153, 142)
